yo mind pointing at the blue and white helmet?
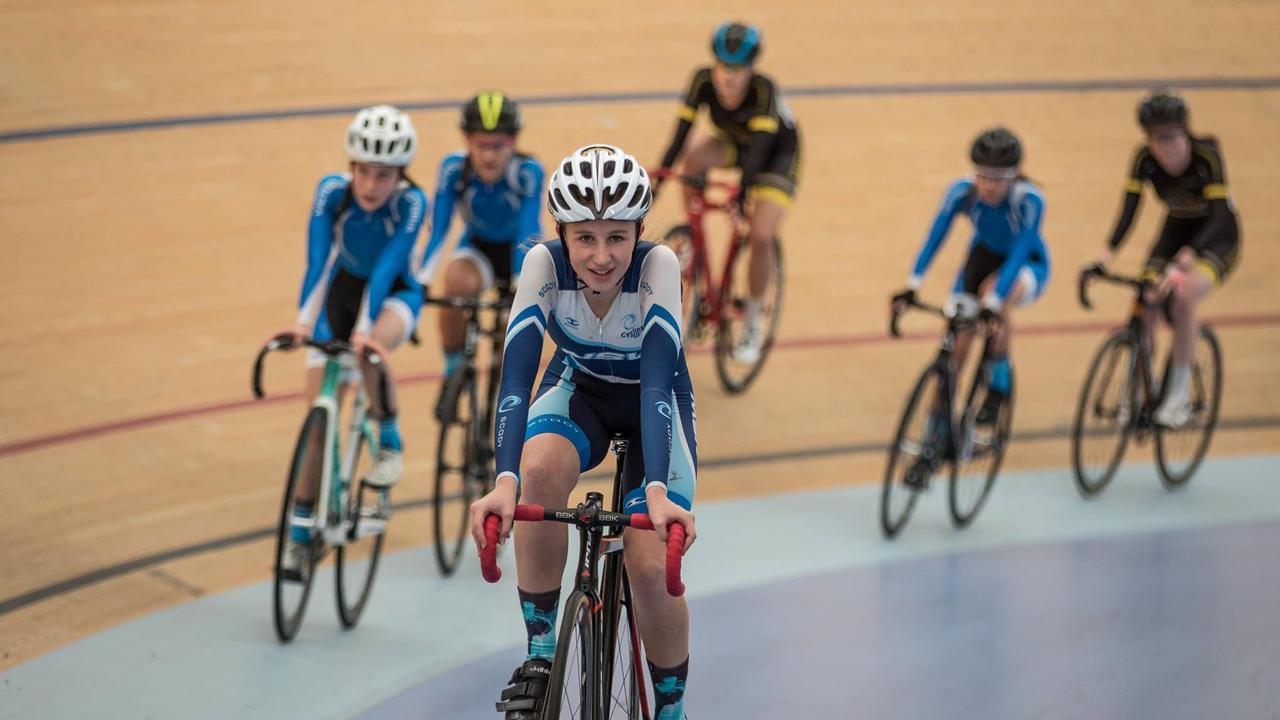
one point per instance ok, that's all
(599, 182)
(382, 135)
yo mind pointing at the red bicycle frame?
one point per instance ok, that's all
(696, 208)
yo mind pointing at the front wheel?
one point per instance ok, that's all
(1105, 413)
(571, 690)
(291, 590)
(356, 562)
(693, 283)
(741, 350)
(459, 470)
(979, 451)
(622, 676)
(918, 449)
(1180, 450)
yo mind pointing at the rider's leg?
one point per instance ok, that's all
(703, 153)
(549, 470)
(462, 278)
(1184, 304)
(392, 328)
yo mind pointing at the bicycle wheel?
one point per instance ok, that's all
(1105, 413)
(916, 452)
(289, 597)
(1180, 450)
(571, 690)
(979, 451)
(622, 677)
(737, 372)
(459, 471)
(693, 286)
(368, 512)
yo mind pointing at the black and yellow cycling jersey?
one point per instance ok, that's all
(759, 136)
(1200, 212)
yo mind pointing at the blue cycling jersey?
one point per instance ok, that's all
(373, 246)
(504, 212)
(1010, 230)
(637, 344)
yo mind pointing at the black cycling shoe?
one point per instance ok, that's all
(990, 409)
(526, 690)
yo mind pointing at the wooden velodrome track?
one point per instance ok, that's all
(145, 266)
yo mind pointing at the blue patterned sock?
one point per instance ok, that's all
(540, 611)
(1001, 375)
(389, 434)
(302, 511)
(668, 690)
(452, 360)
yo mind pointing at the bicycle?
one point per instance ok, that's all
(1126, 356)
(717, 304)
(464, 456)
(341, 520)
(597, 672)
(945, 439)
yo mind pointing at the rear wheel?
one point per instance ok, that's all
(1180, 450)
(918, 449)
(572, 686)
(368, 512)
(738, 369)
(459, 470)
(1105, 414)
(290, 594)
(980, 450)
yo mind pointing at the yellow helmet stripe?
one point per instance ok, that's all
(490, 109)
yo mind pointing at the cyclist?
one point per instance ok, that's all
(753, 130)
(498, 192)
(1008, 262)
(611, 304)
(1200, 241)
(358, 284)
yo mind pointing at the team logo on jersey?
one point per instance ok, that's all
(632, 502)
(509, 403)
(664, 409)
(629, 321)
(571, 322)
(631, 327)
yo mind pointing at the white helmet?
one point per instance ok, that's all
(381, 135)
(599, 182)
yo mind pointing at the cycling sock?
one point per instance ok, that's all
(1001, 375)
(301, 511)
(668, 690)
(1179, 378)
(754, 309)
(539, 611)
(452, 360)
(389, 434)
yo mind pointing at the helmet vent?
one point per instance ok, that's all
(609, 167)
(585, 167)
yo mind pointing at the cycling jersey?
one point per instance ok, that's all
(624, 373)
(762, 136)
(373, 247)
(1010, 230)
(1201, 215)
(505, 212)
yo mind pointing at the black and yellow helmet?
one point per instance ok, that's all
(491, 111)
(1162, 107)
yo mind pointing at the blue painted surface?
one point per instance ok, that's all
(1178, 624)
(1049, 606)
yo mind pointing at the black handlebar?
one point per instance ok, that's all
(331, 348)
(895, 313)
(1098, 272)
(465, 303)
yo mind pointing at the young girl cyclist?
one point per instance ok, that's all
(498, 192)
(358, 284)
(611, 304)
(1200, 241)
(1008, 262)
(752, 129)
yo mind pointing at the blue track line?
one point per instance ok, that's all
(1047, 86)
